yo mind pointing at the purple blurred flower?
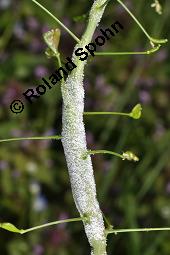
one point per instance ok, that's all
(100, 82)
(3, 165)
(25, 143)
(168, 188)
(63, 216)
(36, 45)
(107, 166)
(145, 82)
(38, 249)
(40, 71)
(102, 85)
(16, 174)
(45, 29)
(11, 92)
(59, 236)
(16, 132)
(159, 130)
(144, 97)
(43, 144)
(161, 55)
(32, 23)
(90, 138)
(19, 31)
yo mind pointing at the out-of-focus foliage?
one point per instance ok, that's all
(34, 183)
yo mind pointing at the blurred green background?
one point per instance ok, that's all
(34, 183)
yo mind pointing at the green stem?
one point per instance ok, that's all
(52, 223)
(116, 231)
(128, 155)
(58, 21)
(60, 65)
(107, 113)
(92, 152)
(148, 52)
(153, 40)
(31, 138)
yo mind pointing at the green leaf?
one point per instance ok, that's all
(136, 112)
(10, 227)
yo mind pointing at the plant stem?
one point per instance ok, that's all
(107, 113)
(52, 223)
(60, 65)
(93, 152)
(74, 142)
(31, 138)
(110, 53)
(116, 231)
(58, 21)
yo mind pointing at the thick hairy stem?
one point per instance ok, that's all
(74, 142)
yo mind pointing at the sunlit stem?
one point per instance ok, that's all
(52, 223)
(116, 231)
(31, 138)
(152, 40)
(156, 48)
(58, 21)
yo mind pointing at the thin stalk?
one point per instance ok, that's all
(125, 155)
(107, 113)
(116, 231)
(31, 138)
(58, 21)
(60, 65)
(153, 40)
(93, 152)
(110, 53)
(52, 223)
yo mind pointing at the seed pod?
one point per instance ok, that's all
(157, 6)
(52, 38)
(136, 112)
(130, 156)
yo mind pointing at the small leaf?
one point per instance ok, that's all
(136, 112)
(129, 156)
(52, 39)
(80, 18)
(10, 227)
